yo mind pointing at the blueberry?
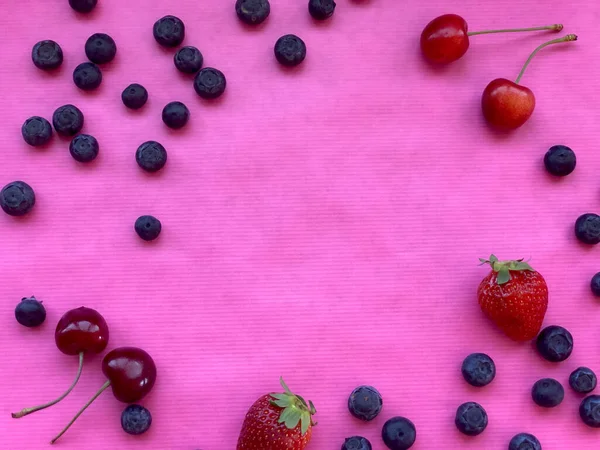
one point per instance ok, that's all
(30, 312)
(560, 160)
(210, 83)
(169, 31)
(83, 6)
(175, 115)
(595, 285)
(84, 148)
(100, 48)
(136, 419)
(321, 9)
(399, 433)
(290, 50)
(555, 343)
(589, 411)
(36, 131)
(151, 156)
(478, 369)
(547, 393)
(356, 443)
(87, 76)
(188, 59)
(583, 380)
(67, 120)
(47, 55)
(148, 227)
(587, 228)
(252, 12)
(365, 403)
(17, 198)
(471, 419)
(524, 441)
(134, 96)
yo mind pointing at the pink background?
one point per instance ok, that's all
(323, 224)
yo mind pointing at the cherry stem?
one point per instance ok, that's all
(555, 27)
(27, 411)
(567, 38)
(100, 391)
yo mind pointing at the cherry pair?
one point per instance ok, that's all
(131, 371)
(506, 105)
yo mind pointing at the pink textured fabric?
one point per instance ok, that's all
(323, 223)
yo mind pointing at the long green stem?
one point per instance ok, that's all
(567, 38)
(27, 411)
(100, 391)
(555, 27)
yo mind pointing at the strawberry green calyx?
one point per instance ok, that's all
(295, 409)
(504, 268)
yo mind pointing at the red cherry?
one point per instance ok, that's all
(79, 331)
(506, 105)
(446, 38)
(131, 372)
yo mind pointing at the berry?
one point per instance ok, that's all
(560, 160)
(188, 59)
(264, 429)
(87, 76)
(134, 96)
(515, 297)
(365, 403)
(583, 380)
(554, 343)
(151, 156)
(47, 55)
(399, 433)
(210, 83)
(471, 419)
(136, 420)
(83, 6)
(17, 198)
(100, 48)
(321, 9)
(595, 285)
(356, 443)
(67, 120)
(148, 227)
(547, 393)
(478, 369)
(290, 50)
(84, 148)
(131, 372)
(524, 441)
(252, 12)
(36, 131)
(30, 312)
(169, 31)
(587, 229)
(589, 411)
(175, 115)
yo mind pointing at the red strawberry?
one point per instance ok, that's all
(514, 297)
(277, 422)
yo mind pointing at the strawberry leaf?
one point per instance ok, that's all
(292, 418)
(503, 275)
(284, 386)
(305, 422)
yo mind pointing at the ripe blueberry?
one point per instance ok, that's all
(583, 380)
(595, 284)
(169, 31)
(67, 120)
(560, 160)
(524, 441)
(148, 227)
(399, 433)
(36, 131)
(17, 198)
(210, 83)
(478, 369)
(83, 6)
(356, 443)
(47, 55)
(587, 228)
(151, 156)
(84, 148)
(321, 9)
(252, 12)
(290, 50)
(100, 48)
(589, 411)
(547, 393)
(30, 312)
(175, 115)
(365, 403)
(134, 96)
(136, 419)
(87, 76)
(554, 343)
(471, 419)
(188, 59)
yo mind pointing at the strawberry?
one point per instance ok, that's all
(515, 297)
(277, 422)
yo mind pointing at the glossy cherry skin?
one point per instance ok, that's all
(131, 372)
(445, 39)
(507, 105)
(81, 330)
